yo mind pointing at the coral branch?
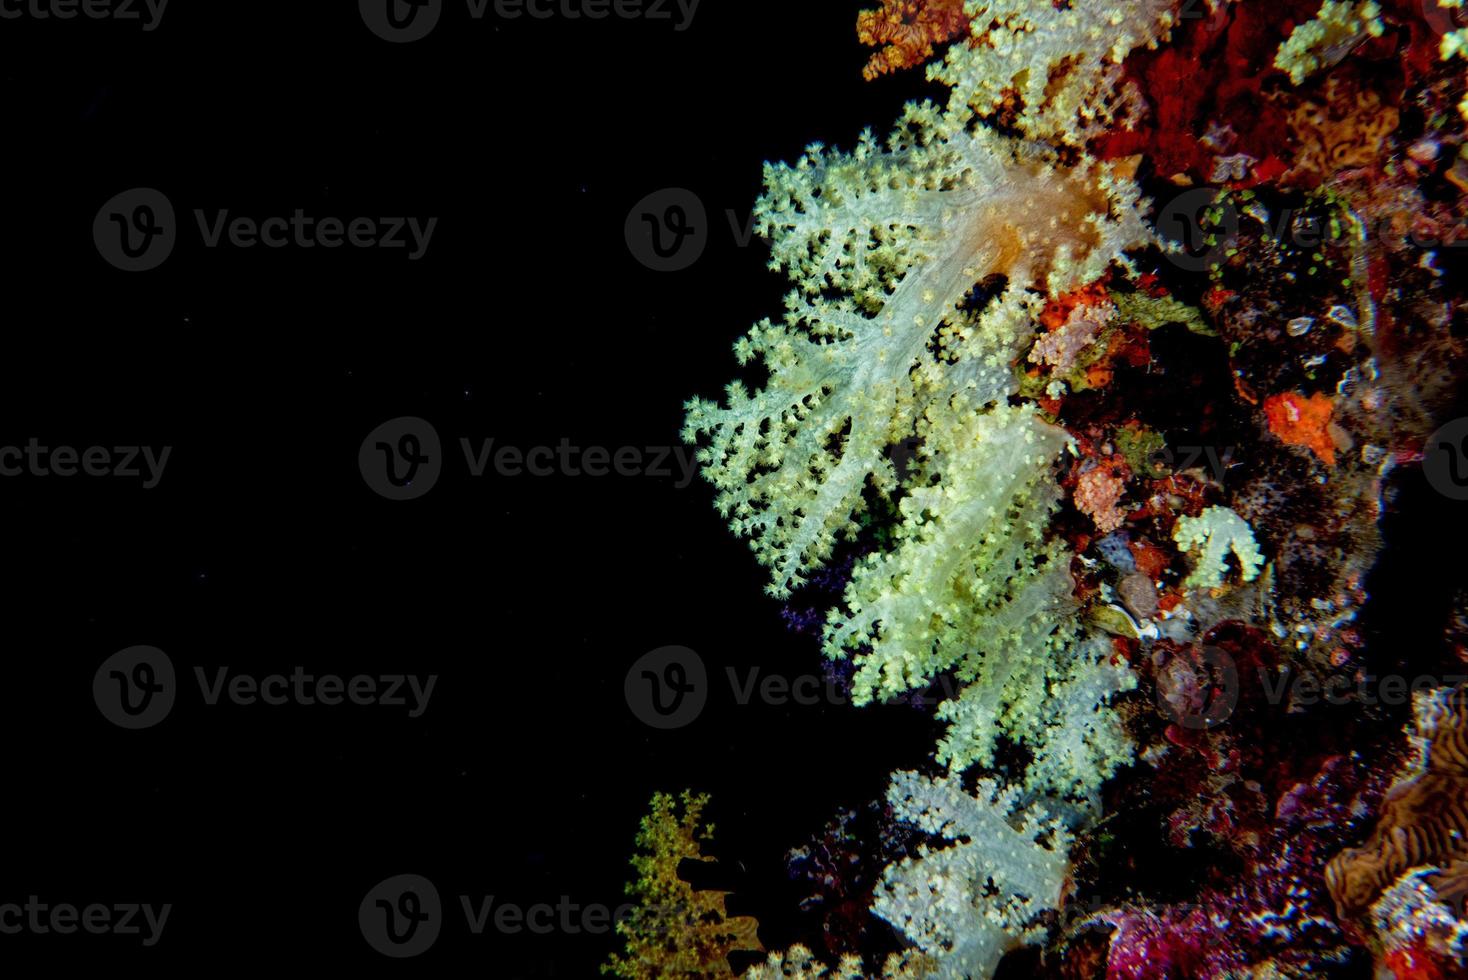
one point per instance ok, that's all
(906, 31)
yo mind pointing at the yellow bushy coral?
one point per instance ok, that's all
(1321, 42)
(675, 932)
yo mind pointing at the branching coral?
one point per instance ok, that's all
(1053, 70)
(906, 31)
(1321, 42)
(675, 932)
(880, 345)
(884, 245)
(1213, 534)
(965, 904)
(953, 286)
(797, 963)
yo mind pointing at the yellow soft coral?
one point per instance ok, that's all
(884, 246)
(1455, 43)
(920, 266)
(1322, 42)
(1057, 66)
(675, 932)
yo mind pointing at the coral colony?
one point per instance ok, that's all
(1081, 401)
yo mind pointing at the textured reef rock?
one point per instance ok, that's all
(1088, 397)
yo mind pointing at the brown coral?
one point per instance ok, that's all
(906, 31)
(1348, 130)
(1424, 818)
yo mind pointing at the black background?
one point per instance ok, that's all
(528, 321)
(261, 549)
